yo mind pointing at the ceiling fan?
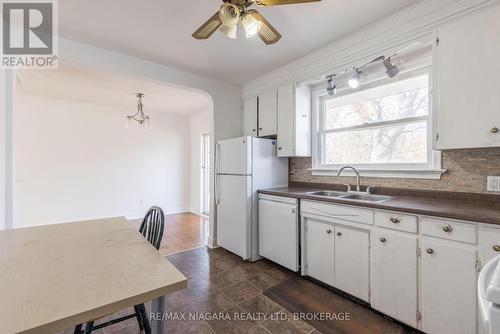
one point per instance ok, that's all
(232, 12)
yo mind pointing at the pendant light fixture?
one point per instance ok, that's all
(139, 116)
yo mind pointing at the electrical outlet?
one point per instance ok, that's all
(493, 183)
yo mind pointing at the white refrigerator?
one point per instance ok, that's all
(243, 166)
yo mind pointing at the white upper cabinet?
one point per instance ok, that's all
(294, 121)
(250, 117)
(268, 114)
(467, 68)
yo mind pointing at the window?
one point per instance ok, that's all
(384, 128)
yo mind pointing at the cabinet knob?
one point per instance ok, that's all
(293, 210)
(430, 251)
(496, 248)
(339, 234)
(383, 240)
(260, 129)
(253, 130)
(448, 228)
(495, 130)
(329, 231)
(279, 148)
(395, 220)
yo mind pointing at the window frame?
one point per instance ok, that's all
(430, 170)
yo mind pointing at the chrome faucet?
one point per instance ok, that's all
(358, 182)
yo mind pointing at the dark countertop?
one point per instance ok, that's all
(445, 208)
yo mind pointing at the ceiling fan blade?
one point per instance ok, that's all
(267, 32)
(265, 3)
(208, 28)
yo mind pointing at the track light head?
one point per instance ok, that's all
(355, 80)
(331, 88)
(391, 69)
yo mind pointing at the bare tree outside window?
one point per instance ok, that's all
(386, 124)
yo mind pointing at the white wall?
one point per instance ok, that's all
(199, 126)
(77, 161)
(225, 115)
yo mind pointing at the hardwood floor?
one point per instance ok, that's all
(182, 232)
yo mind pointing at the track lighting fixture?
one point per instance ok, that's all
(331, 88)
(356, 78)
(391, 69)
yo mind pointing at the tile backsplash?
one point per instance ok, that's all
(466, 172)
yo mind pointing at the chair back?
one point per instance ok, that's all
(152, 226)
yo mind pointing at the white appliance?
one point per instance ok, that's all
(243, 166)
(279, 230)
(489, 295)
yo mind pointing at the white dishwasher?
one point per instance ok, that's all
(489, 295)
(279, 230)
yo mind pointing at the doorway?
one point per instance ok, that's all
(205, 174)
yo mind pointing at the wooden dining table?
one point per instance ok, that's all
(54, 277)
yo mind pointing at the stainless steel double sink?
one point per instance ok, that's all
(351, 196)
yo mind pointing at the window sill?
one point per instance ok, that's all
(429, 174)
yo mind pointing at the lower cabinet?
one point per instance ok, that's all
(395, 276)
(352, 262)
(449, 278)
(319, 248)
(338, 256)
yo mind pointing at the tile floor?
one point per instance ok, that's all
(221, 283)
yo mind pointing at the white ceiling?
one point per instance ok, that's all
(160, 30)
(77, 83)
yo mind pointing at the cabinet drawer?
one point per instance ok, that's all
(349, 213)
(396, 221)
(449, 229)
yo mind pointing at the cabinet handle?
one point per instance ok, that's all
(448, 228)
(339, 234)
(496, 248)
(395, 220)
(383, 240)
(329, 231)
(430, 251)
(495, 130)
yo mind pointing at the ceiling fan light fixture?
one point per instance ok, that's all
(230, 32)
(229, 14)
(251, 25)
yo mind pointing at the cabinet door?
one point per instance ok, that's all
(489, 243)
(268, 123)
(319, 248)
(352, 262)
(286, 121)
(449, 279)
(250, 117)
(279, 219)
(467, 62)
(394, 290)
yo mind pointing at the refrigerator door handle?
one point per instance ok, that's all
(217, 181)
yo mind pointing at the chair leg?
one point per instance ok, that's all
(138, 315)
(145, 320)
(78, 329)
(89, 327)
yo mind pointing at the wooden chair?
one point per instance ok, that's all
(152, 227)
